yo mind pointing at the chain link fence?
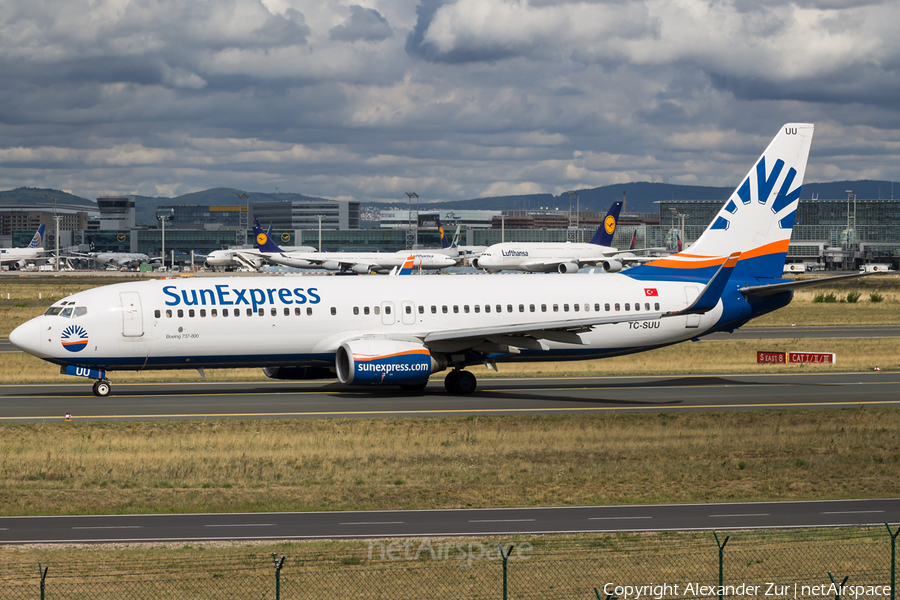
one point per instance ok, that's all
(853, 564)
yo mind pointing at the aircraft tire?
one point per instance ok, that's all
(460, 383)
(102, 388)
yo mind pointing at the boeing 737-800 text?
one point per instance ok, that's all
(372, 331)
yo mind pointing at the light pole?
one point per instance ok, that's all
(165, 214)
(577, 210)
(412, 234)
(676, 214)
(320, 217)
(56, 237)
(243, 219)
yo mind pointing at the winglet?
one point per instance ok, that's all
(604, 234)
(712, 293)
(408, 265)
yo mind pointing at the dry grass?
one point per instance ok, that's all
(272, 465)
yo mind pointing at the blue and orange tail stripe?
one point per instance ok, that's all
(408, 266)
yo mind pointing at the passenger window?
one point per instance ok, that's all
(646, 306)
(606, 307)
(566, 307)
(355, 310)
(487, 308)
(597, 307)
(509, 308)
(408, 309)
(272, 311)
(556, 308)
(287, 311)
(191, 313)
(213, 312)
(543, 308)
(421, 310)
(387, 310)
(202, 312)
(169, 313)
(531, 307)
(79, 311)
(455, 309)
(180, 313)
(249, 312)
(433, 309)
(297, 311)
(309, 311)
(466, 308)
(499, 308)
(617, 307)
(575, 307)
(656, 306)
(477, 308)
(375, 309)
(627, 306)
(365, 310)
(261, 312)
(334, 310)
(156, 313)
(444, 309)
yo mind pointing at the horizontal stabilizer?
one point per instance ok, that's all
(777, 288)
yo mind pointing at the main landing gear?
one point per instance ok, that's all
(460, 383)
(102, 388)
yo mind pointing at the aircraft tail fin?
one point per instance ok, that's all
(38, 240)
(264, 240)
(408, 266)
(756, 221)
(604, 233)
(445, 243)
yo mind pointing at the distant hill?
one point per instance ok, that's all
(640, 197)
(26, 196)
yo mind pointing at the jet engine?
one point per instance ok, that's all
(299, 372)
(567, 268)
(611, 266)
(361, 268)
(386, 362)
(331, 265)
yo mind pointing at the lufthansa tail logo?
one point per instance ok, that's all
(261, 239)
(609, 224)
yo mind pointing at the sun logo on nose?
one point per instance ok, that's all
(74, 338)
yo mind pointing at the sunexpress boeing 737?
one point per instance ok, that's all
(375, 331)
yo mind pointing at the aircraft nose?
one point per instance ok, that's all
(27, 337)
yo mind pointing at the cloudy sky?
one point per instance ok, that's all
(452, 99)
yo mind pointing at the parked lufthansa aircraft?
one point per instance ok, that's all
(564, 257)
(374, 331)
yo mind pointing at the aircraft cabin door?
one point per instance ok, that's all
(132, 316)
(408, 313)
(387, 313)
(690, 293)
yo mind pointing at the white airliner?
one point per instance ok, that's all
(373, 331)
(116, 259)
(247, 257)
(355, 262)
(17, 258)
(563, 257)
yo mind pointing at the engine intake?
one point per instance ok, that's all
(611, 266)
(567, 268)
(386, 362)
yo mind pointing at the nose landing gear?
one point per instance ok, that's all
(102, 388)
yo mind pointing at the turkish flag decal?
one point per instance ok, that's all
(650, 292)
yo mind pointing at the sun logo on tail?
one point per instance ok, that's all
(74, 338)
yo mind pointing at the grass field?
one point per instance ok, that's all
(367, 464)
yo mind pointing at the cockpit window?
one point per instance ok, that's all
(66, 312)
(53, 310)
(80, 311)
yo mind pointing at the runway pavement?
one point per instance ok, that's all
(533, 395)
(435, 523)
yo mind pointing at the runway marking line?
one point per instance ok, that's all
(383, 413)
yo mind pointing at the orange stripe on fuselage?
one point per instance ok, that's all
(383, 356)
(673, 261)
